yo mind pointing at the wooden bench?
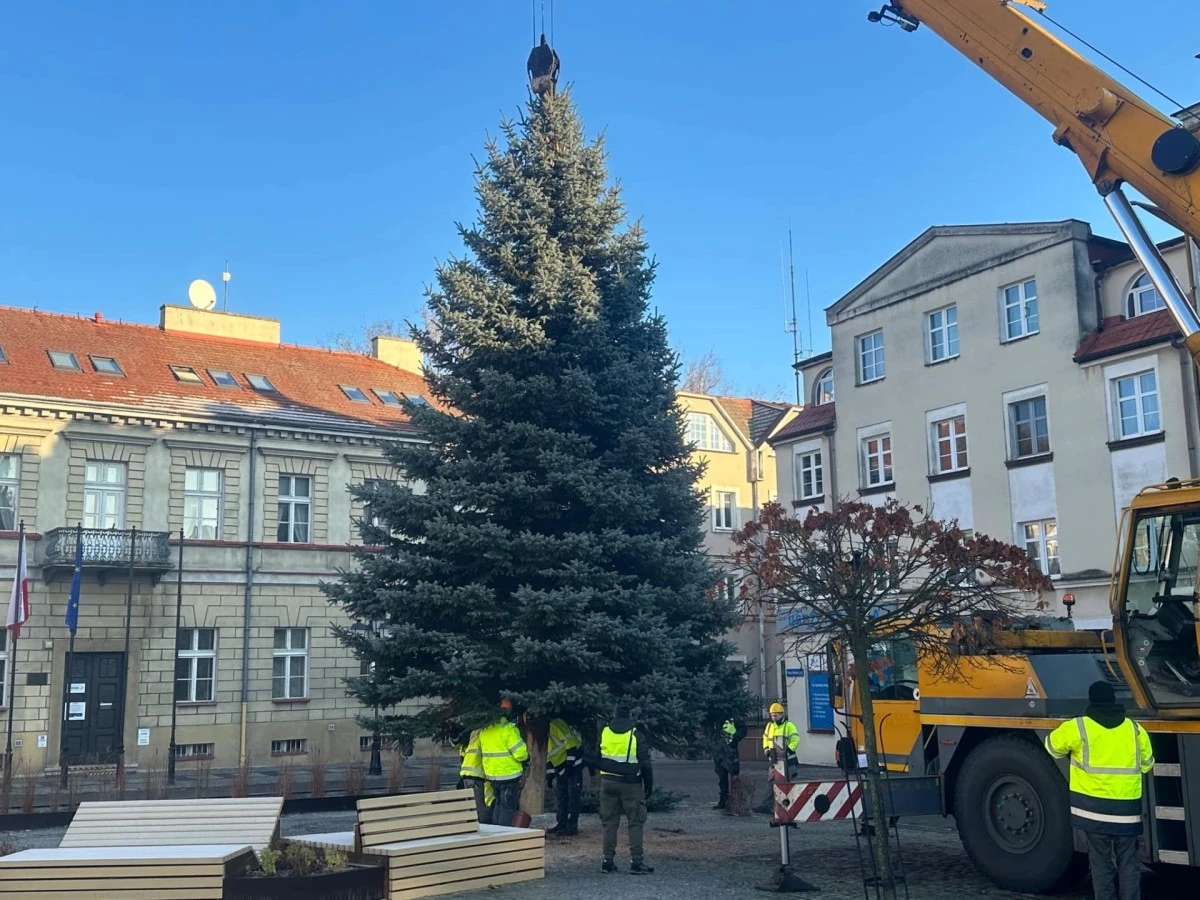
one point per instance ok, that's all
(434, 844)
(139, 823)
(193, 872)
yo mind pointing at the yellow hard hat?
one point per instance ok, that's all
(776, 708)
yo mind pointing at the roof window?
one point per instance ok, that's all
(62, 359)
(354, 393)
(261, 383)
(416, 399)
(387, 398)
(187, 375)
(224, 379)
(106, 365)
(3, 357)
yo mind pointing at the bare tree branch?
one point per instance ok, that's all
(704, 375)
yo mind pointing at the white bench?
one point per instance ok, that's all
(252, 821)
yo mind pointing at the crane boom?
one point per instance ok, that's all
(1119, 137)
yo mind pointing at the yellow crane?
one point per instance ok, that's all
(974, 748)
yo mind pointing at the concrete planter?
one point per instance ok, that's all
(355, 883)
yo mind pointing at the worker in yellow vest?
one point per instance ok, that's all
(626, 782)
(505, 757)
(1109, 755)
(471, 773)
(781, 734)
(564, 763)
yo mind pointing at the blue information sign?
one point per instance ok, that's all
(820, 711)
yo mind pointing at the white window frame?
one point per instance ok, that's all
(192, 655)
(4, 670)
(947, 330)
(288, 654)
(877, 354)
(706, 433)
(1133, 369)
(823, 387)
(10, 489)
(1140, 289)
(291, 501)
(1024, 301)
(957, 440)
(1010, 432)
(100, 490)
(878, 433)
(724, 518)
(196, 499)
(729, 587)
(810, 460)
(1043, 540)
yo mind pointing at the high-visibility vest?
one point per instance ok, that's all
(785, 730)
(563, 738)
(472, 758)
(619, 751)
(1107, 765)
(503, 750)
(730, 729)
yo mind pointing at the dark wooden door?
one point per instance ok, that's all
(93, 717)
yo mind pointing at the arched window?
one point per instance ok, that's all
(1143, 297)
(823, 388)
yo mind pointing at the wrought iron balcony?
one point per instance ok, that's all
(106, 550)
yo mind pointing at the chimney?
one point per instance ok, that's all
(238, 326)
(399, 352)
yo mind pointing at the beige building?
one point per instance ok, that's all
(731, 436)
(1023, 379)
(209, 424)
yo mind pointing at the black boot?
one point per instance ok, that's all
(640, 868)
(609, 866)
(720, 804)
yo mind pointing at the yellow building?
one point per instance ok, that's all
(730, 435)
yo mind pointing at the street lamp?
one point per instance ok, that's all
(375, 767)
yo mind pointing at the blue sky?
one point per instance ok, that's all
(325, 149)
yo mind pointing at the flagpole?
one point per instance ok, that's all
(73, 624)
(174, 699)
(12, 664)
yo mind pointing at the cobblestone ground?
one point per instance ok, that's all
(699, 853)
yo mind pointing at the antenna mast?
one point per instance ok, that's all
(225, 276)
(792, 325)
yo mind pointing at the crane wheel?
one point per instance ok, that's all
(1013, 815)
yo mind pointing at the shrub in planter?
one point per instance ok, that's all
(300, 872)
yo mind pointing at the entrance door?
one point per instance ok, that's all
(94, 715)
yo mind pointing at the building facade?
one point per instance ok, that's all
(731, 437)
(209, 425)
(1025, 380)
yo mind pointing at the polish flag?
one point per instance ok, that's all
(18, 601)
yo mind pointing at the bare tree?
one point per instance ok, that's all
(860, 574)
(704, 375)
(360, 342)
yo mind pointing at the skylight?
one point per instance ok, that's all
(261, 383)
(416, 399)
(62, 359)
(3, 356)
(354, 393)
(387, 398)
(187, 375)
(223, 379)
(106, 365)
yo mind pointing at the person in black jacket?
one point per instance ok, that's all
(725, 757)
(626, 782)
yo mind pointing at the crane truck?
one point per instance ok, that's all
(973, 747)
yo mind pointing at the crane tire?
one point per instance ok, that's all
(1014, 816)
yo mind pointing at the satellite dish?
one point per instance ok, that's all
(201, 294)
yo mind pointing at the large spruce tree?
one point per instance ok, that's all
(546, 543)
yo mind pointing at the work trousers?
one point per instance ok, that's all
(508, 798)
(1116, 872)
(616, 797)
(726, 768)
(568, 795)
(482, 810)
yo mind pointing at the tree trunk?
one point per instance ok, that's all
(533, 795)
(881, 842)
(741, 794)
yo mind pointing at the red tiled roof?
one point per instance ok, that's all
(1117, 334)
(739, 409)
(811, 419)
(307, 379)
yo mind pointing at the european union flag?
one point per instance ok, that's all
(73, 602)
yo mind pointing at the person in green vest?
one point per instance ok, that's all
(726, 760)
(626, 782)
(564, 764)
(505, 757)
(470, 773)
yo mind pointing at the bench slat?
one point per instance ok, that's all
(367, 829)
(416, 834)
(466, 864)
(489, 881)
(14, 875)
(396, 800)
(465, 807)
(132, 823)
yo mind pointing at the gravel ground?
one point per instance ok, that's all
(699, 853)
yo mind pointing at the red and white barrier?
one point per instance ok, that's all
(798, 802)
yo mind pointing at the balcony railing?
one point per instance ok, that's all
(107, 549)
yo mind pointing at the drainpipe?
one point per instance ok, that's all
(249, 573)
(762, 635)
